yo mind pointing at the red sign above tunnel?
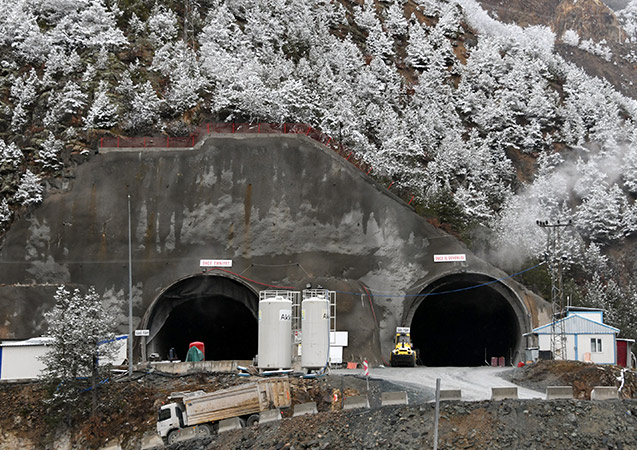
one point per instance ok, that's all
(450, 258)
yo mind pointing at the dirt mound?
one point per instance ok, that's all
(582, 376)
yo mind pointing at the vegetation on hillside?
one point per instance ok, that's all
(433, 94)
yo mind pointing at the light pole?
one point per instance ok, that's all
(130, 297)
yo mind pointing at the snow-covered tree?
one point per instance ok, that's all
(23, 93)
(10, 157)
(62, 62)
(68, 102)
(365, 15)
(629, 165)
(136, 25)
(83, 332)
(49, 153)
(85, 24)
(29, 190)
(5, 213)
(21, 32)
(102, 113)
(144, 108)
(628, 18)
(602, 212)
(395, 21)
(619, 303)
(179, 63)
(162, 25)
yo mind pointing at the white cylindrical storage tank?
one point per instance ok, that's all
(275, 333)
(315, 332)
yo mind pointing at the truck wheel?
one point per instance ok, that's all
(252, 420)
(243, 422)
(172, 437)
(203, 431)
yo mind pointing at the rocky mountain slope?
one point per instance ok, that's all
(593, 21)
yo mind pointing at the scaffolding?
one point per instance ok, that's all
(296, 298)
(554, 261)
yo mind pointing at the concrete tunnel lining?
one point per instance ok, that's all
(217, 309)
(456, 323)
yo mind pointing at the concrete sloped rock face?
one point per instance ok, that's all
(286, 210)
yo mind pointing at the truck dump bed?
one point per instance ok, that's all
(237, 401)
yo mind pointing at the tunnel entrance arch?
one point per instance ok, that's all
(216, 309)
(465, 319)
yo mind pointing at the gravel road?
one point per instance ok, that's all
(474, 382)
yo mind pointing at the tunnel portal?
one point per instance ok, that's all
(460, 324)
(219, 311)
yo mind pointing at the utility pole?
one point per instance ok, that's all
(554, 235)
(130, 298)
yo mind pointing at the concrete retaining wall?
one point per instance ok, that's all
(180, 368)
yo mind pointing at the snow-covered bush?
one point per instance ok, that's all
(570, 37)
(597, 48)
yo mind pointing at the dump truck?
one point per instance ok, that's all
(403, 354)
(196, 414)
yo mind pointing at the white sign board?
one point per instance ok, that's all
(402, 329)
(215, 263)
(142, 332)
(450, 258)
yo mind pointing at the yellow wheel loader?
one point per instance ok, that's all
(403, 354)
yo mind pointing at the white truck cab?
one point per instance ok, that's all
(171, 417)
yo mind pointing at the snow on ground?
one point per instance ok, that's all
(474, 382)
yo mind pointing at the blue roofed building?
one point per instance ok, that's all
(588, 338)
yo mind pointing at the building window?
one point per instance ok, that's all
(596, 345)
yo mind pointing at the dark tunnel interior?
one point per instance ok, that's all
(227, 328)
(465, 328)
